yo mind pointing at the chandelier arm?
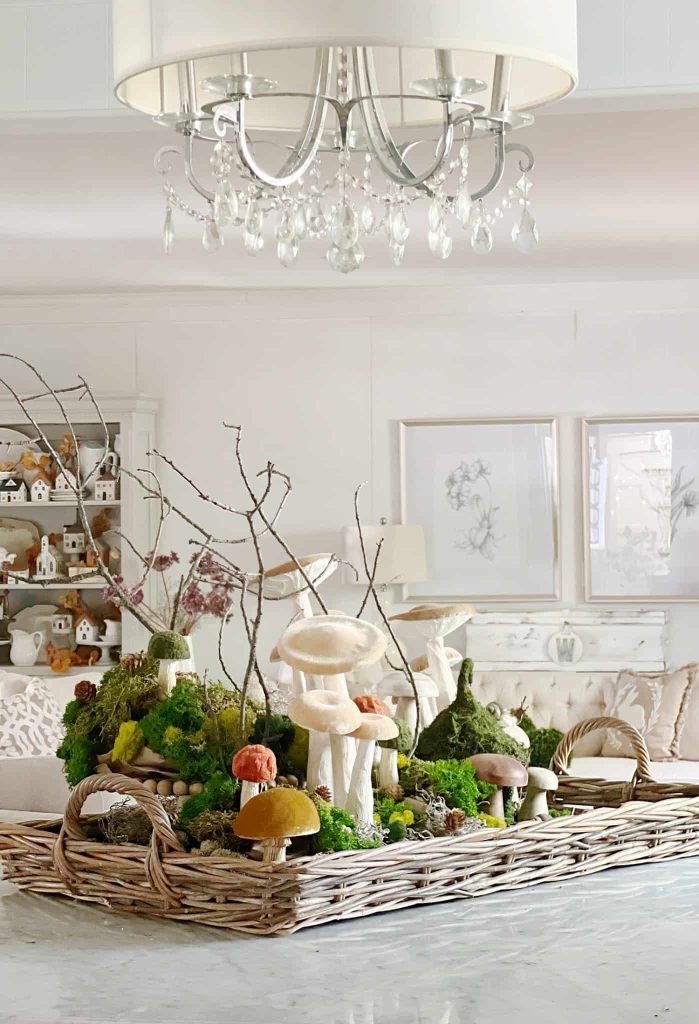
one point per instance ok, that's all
(380, 135)
(204, 192)
(306, 148)
(497, 175)
(519, 147)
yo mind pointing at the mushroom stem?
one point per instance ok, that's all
(342, 749)
(360, 800)
(336, 684)
(247, 791)
(167, 675)
(388, 767)
(439, 670)
(319, 769)
(303, 604)
(406, 710)
(496, 806)
(298, 682)
(274, 850)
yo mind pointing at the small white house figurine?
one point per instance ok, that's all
(61, 624)
(87, 629)
(12, 490)
(106, 487)
(74, 543)
(46, 565)
(66, 482)
(40, 487)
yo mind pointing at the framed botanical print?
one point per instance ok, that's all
(486, 494)
(641, 508)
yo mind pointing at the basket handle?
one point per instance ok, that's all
(559, 761)
(163, 836)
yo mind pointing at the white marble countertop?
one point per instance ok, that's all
(616, 948)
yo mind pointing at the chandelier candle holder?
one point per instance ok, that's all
(366, 113)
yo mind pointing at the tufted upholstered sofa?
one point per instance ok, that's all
(560, 700)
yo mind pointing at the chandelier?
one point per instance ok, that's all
(311, 122)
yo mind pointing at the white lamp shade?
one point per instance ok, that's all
(402, 558)
(151, 37)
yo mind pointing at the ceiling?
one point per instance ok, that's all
(616, 196)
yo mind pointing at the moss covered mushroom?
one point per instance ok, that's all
(169, 649)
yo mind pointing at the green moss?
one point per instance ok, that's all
(297, 754)
(219, 795)
(127, 692)
(386, 811)
(279, 733)
(403, 741)
(543, 743)
(189, 753)
(216, 826)
(182, 709)
(453, 780)
(72, 712)
(168, 646)
(337, 831)
(397, 832)
(79, 757)
(466, 728)
(492, 822)
(560, 812)
(129, 743)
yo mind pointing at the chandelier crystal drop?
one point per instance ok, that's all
(330, 144)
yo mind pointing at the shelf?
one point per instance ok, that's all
(44, 671)
(57, 504)
(73, 585)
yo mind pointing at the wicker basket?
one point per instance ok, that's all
(56, 858)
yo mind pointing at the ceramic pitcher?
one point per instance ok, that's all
(25, 647)
(93, 459)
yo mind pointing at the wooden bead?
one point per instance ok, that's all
(180, 788)
(151, 785)
(165, 787)
(195, 788)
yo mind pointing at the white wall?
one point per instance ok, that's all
(319, 379)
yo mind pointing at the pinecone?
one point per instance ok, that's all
(455, 820)
(394, 792)
(324, 793)
(85, 691)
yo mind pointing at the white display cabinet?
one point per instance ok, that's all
(131, 422)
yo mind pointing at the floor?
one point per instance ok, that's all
(616, 948)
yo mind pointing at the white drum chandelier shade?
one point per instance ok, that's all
(151, 37)
(335, 119)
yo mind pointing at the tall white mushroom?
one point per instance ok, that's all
(396, 685)
(360, 800)
(432, 622)
(329, 646)
(287, 581)
(421, 664)
(331, 714)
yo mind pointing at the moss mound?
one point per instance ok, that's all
(466, 728)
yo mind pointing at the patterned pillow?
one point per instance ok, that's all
(656, 705)
(30, 722)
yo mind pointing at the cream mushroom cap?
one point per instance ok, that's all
(286, 579)
(375, 727)
(274, 655)
(328, 645)
(435, 620)
(325, 711)
(396, 684)
(543, 779)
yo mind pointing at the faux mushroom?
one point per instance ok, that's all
(501, 771)
(369, 704)
(397, 685)
(273, 818)
(540, 783)
(390, 749)
(432, 622)
(421, 664)
(288, 678)
(253, 766)
(323, 711)
(170, 649)
(287, 580)
(360, 799)
(329, 646)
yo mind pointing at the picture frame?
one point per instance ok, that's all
(486, 492)
(640, 507)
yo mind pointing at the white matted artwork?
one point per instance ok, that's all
(641, 508)
(486, 494)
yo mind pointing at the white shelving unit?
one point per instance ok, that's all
(133, 418)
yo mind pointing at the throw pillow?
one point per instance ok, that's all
(656, 704)
(30, 722)
(689, 736)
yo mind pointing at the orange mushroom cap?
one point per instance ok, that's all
(368, 704)
(255, 763)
